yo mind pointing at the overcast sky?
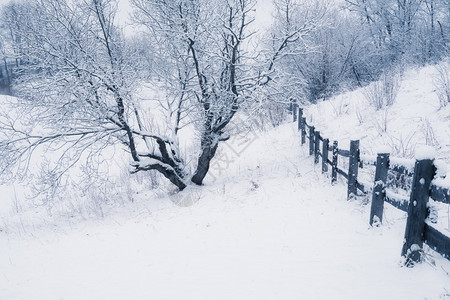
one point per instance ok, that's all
(264, 10)
(3, 2)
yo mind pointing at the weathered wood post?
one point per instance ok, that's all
(352, 189)
(300, 118)
(334, 166)
(311, 140)
(316, 147)
(303, 130)
(379, 189)
(325, 147)
(417, 211)
(294, 112)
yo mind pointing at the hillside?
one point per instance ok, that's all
(416, 116)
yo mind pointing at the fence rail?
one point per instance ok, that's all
(417, 231)
(440, 194)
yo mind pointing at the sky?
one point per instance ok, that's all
(264, 10)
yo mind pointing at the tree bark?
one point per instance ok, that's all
(209, 148)
(173, 177)
(167, 172)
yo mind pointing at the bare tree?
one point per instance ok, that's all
(290, 45)
(408, 31)
(207, 39)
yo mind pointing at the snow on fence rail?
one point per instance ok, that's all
(421, 171)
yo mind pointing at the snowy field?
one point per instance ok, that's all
(271, 227)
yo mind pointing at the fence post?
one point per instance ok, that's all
(417, 211)
(353, 170)
(300, 118)
(316, 147)
(325, 155)
(335, 163)
(294, 111)
(311, 140)
(303, 130)
(379, 189)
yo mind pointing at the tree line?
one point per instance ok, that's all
(78, 77)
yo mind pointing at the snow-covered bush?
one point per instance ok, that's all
(383, 92)
(442, 84)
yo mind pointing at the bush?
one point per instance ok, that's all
(383, 92)
(442, 84)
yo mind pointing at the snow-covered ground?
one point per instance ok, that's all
(270, 227)
(266, 224)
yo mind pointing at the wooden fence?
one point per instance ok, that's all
(418, 230)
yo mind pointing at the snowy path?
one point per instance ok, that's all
(270, 227)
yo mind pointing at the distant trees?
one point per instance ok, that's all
(289, 38)
(352, 45)
(414, 31)
(7, 49)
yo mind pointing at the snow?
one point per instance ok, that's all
(425, 152)
(270, 227)
(382, 149)
(379, 183)
(443, 183)
(368, 159)
(146, 162)
(414, 247)
(376, 222)
(264, 14)
(402, 162)
(441, 168)
(399, 198)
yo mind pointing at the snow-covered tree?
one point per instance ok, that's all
(290, 45)
(79, 77)
(77, 83)
(205, 45)
(408, 31)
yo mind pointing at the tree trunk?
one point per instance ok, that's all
(173, 177)
(166, 170)
(209, 148)
(168, 163)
